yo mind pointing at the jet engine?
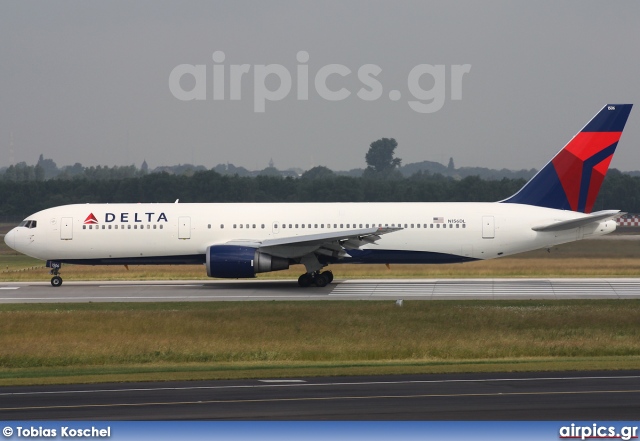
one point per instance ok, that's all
(234, 262)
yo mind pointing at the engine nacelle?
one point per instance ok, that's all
(234, 262)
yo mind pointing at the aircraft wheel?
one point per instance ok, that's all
(328, 275)
(304, 280)
(321, 280)
(56, 281)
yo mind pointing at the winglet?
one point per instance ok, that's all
(572, 179)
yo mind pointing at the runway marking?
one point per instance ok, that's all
(154, 285)
(302, 399)
(9, 287)
(364, 383)
(282, 381)
(189, 297)
(554, 288)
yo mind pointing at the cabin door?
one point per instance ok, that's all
(66, 228)
(488, 227)
(184, 227)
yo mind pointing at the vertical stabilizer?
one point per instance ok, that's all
(572, 179)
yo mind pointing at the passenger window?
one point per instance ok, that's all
(221, 226)
(161, 227)
(84, 227)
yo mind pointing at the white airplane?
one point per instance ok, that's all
(240, 240)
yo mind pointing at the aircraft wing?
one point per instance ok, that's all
(331, 244)
(580, 222)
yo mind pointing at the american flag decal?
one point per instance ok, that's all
(438, 220)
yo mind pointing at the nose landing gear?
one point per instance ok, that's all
(56, 280)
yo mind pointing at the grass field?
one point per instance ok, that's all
(147, 341)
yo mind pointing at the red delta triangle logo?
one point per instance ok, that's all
(91, 219)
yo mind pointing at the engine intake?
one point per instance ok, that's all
(234, 262)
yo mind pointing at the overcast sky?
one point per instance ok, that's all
(89, 81)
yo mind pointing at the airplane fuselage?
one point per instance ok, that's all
(181, 233)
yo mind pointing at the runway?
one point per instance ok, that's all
(520, 396)
(267, 290)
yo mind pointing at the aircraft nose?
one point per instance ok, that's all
(10, 239)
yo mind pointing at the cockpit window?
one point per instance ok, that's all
(28, 224)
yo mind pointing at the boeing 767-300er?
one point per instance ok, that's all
(241, 240)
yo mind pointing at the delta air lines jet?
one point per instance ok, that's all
(241, 240)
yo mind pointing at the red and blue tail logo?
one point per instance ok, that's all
(572, 179)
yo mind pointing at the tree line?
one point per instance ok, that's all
(21, 198)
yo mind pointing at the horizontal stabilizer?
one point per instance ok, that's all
(580, 222)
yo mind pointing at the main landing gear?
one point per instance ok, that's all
(56, 280)
(317, 278)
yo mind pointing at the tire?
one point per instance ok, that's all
(328, 275)
(56, 281)
(304, 280)
(321, 280)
